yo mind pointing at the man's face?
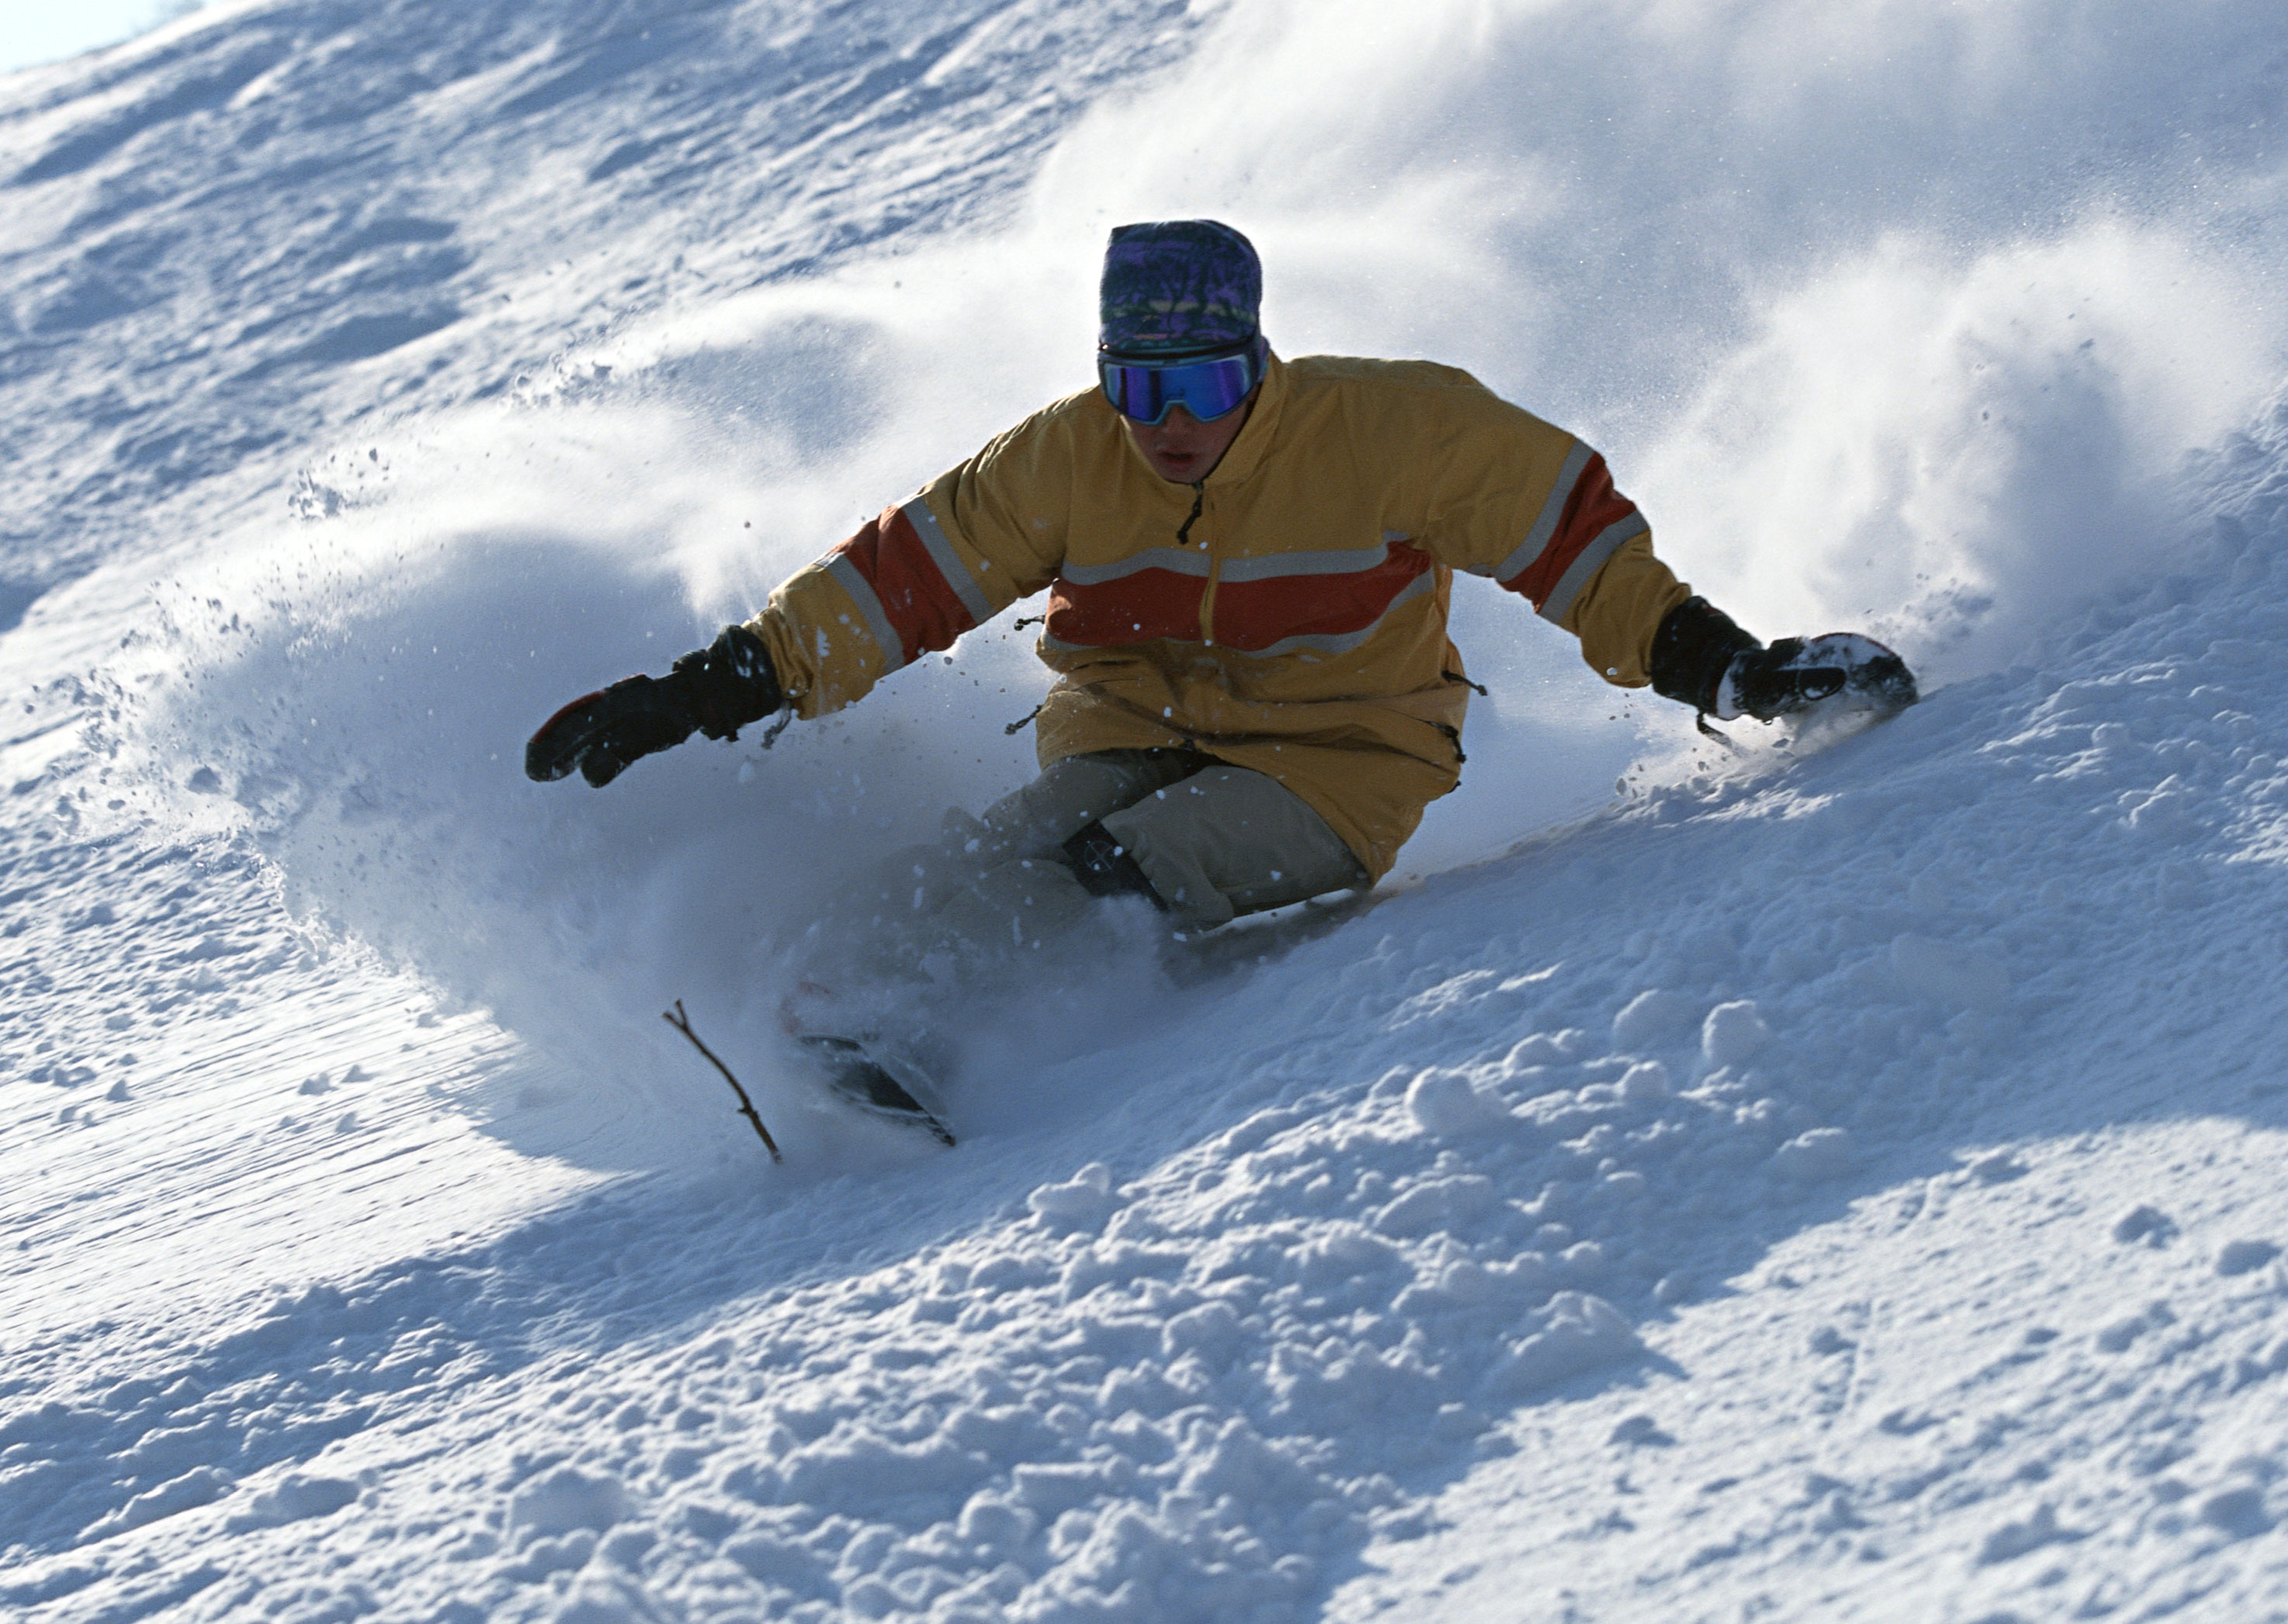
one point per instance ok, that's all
(1180, 447)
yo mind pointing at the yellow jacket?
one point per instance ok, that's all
(1299, 629)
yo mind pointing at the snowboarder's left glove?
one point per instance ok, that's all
(716, 691)
(1701, 657)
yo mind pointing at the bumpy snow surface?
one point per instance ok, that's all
(1840, 1179)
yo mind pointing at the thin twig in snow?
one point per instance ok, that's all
(682, 1023)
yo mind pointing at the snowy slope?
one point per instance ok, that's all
(1836, 1184)
(30, 35)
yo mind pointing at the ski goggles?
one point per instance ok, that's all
(1206, 386)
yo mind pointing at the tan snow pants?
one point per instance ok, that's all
(1214, 841)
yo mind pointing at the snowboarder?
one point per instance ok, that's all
(1247, 561)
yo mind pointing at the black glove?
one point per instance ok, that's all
(1701, 657)
(716, 691)
(1694, 646)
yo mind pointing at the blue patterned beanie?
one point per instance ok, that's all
(1177, 285)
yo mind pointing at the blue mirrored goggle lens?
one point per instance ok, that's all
(1207, 389)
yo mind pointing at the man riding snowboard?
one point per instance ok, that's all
(1248, 562)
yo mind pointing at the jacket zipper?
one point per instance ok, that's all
(1215, 564)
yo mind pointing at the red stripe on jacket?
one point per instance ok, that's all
(1148, 606)
(1594, 508)
(1160, 605)
(919, 602)
(1254, 614)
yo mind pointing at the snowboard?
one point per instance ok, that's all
(858, 1077)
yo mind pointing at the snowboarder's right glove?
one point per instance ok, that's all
(1702, 657)
(716, 691)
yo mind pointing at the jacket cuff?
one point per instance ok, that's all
(1694, 646)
